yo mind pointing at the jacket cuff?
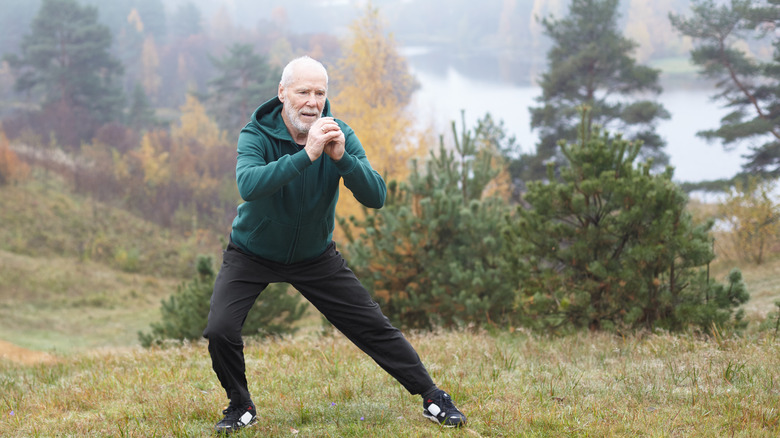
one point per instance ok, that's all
(346, 164)
(301, 160)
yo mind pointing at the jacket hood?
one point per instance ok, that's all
(268, 118)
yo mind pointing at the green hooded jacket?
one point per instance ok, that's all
(289, 211)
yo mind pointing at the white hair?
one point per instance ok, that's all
(289, 70)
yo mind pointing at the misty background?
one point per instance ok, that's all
(476, 57)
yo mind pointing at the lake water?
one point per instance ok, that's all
(443, 95)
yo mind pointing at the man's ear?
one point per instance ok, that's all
(280, 93)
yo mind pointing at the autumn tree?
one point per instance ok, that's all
(591, 64)
(183, 177)
(205, 160)
(371, 88)
(116, 14)
(65, 59)
(11, 168)
(752, 216)
(748, 84)
(144, 175)
(154, 164)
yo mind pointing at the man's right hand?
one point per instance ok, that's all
(322, 132)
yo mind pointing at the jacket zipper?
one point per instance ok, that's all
(294, 244)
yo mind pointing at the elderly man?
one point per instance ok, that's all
(291, 157)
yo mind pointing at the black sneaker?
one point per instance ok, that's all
(236, 418)
(440, 409)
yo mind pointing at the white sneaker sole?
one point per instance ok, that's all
(436, 420)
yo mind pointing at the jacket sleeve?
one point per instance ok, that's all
(258, 173)
(360, 178)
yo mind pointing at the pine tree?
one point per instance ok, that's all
(65, 58)
(432, 255)
(245, 80)
(186, 21)
(185, 313)
(140, 115)
(370, 87)
(748, 85)
(590, 64)
(610, 245)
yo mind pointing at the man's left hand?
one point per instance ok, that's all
(334, 148)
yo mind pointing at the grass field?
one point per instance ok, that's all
(75, 304)
(509, 385)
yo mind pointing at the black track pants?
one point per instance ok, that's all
(332, 288)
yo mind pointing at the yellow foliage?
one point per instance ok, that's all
(638, 28)
(373, 87)
(154, 164)
(134, 18)
(195, 125)
(122, 168)
(752, 217)
(500, 186)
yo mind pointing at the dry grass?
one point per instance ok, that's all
(512, 384)
(43, 218)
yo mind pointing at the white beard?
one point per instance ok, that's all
(297, 123)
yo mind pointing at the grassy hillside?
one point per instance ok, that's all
(78, 274)
(63, 304)
(42, 218)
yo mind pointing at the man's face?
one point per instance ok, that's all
(303, 98)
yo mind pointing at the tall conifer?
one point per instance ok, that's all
(746, 83)
(591, 64)
(65, 61)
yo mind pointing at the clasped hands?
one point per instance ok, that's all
(325, 136)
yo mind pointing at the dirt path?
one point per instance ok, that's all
(21, 355)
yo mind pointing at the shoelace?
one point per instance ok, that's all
(447, 405)
(232, 413)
